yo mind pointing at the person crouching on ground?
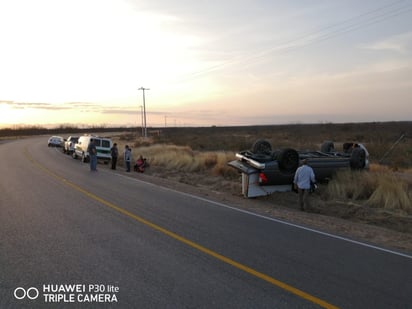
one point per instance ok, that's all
(302, 181)
(140, 164)
(127, 157)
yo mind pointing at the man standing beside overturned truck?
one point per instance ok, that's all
(304, 177)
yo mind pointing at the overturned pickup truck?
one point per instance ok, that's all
(265, 171)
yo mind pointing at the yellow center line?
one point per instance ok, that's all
(186, 241)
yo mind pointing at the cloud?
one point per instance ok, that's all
(401, 43)
(129, 111)
(48, 106)
(32, 105)
(118, 111)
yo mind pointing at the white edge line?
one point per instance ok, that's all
(272, 219)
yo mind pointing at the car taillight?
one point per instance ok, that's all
(263, 179)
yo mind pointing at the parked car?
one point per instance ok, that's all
(55, 141)
(265, 171)
(103, 146)
(69, 144)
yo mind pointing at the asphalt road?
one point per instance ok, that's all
(138, 245)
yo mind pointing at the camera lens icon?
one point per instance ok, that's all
(30, 293)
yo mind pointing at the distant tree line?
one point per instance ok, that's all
(38, 130)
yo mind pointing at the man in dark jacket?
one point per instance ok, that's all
(91, 149)
(114, 153)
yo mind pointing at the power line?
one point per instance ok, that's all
(349, 25)
(353, 27)
(328, 35)
(325, 33)
(344, 23)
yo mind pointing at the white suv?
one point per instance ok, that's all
(103, 146)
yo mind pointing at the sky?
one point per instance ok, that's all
(204, 63)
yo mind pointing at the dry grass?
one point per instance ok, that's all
(352, 185)
(183, 158)
(391, 193)
(380, 188)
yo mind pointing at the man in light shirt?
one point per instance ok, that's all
(304, 177)
(127, 157)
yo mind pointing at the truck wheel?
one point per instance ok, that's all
(262, 146)
(358, 159)
(348, 147)
(288, 160)
(84, 158)
(327, 146)
(74, 155)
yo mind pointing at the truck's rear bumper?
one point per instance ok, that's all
(243, 167)
(251, 186)
(250, 161)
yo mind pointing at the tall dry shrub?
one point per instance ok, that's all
(171, 157)
(352, 185)
(391, 193)
(379, 188)
(221, 168)
(183, 158)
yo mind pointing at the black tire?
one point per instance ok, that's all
(84, 158)
(358, 159)
(74, 155)
(327, 146)
(262, 146)
(348, 147)
(288, 160)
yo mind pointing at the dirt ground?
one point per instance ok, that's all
(373, 226)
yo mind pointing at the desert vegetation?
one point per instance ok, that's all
(183, 158)
(373, 196)
(378, 188)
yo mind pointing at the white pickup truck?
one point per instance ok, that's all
(69, 143)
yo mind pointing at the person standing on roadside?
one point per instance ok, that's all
(127, 157)
(91, 149)
(304, 177)
(114, 153)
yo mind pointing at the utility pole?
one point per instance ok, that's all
(141, 113)
(144, 110)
